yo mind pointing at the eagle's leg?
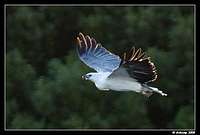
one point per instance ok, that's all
(105, 89)
(146, 93)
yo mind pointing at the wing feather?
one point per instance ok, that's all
(143, 70)
(96, 56)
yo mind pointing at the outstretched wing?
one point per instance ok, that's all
(96, 56)
(142, 70)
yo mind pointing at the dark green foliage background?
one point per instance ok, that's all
(44, 88)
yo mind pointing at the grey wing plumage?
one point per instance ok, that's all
(142, 70)
(96, 56)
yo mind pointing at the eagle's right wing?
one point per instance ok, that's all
(141, 70)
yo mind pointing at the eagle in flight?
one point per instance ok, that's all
(117, 74)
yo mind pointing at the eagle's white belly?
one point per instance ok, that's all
(124, 85)
(118, 84)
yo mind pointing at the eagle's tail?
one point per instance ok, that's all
(148, 90)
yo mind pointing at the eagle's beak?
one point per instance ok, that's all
(85, 77)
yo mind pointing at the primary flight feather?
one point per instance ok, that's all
(114, 73)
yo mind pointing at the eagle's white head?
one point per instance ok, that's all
(90, 76)
(98, 78)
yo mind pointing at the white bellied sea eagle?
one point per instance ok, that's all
(117, 74)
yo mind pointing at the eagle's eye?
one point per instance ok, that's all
(89, 75)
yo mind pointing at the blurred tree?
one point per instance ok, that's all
(40, 34)
(178, 63)
(43, 72)
(184, 117)
(19, 88)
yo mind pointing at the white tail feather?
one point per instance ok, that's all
(158, 91)
(153, 89)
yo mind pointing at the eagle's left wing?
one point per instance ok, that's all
(96, 56)
(142, 70)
